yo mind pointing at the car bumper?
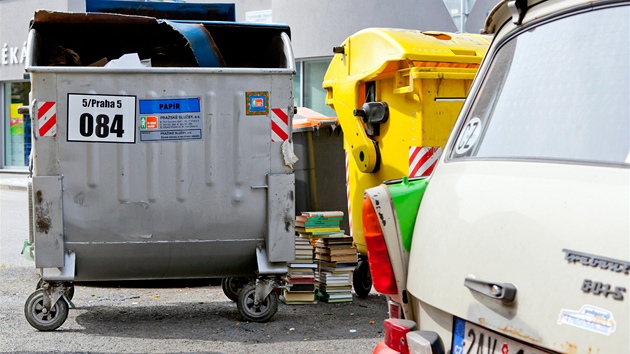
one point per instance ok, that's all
(382, 348)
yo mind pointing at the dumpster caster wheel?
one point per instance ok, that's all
(232, 286)
(253, 312)
(41, 319)
(69, 292)
(362, 279)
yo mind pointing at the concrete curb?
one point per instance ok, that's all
(13, 181)
(13, 187)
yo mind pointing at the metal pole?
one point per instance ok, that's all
(462, 19)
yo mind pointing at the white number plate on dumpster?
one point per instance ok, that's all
(102, 118)
(470, 338)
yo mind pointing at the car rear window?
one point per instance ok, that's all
(557, 91)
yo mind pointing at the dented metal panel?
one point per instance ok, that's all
(160, 164)
(65, 273)
(48, 222)
(280, 217)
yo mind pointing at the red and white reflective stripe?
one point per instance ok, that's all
(348, 196)
(279, 125)
(47, 118)
(422, 160)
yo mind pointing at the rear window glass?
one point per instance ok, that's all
(558, 91)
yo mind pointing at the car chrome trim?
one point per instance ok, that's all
(594, 261)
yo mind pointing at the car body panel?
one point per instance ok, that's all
(512, 223)
(556, 229)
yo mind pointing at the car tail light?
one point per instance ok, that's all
(383, 277)
(396, 334)
(425, 342)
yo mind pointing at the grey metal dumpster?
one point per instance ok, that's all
(172, 161)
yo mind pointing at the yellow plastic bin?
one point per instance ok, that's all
(397, 94)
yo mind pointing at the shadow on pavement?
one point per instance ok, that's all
(220, 321)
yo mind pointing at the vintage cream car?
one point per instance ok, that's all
(520, 240)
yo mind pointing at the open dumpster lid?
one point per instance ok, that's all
(307, 119)
(81, 39)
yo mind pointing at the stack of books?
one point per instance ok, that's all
(336, 258)
(301, 276)
(319, 224)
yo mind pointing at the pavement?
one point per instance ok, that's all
(17, 180)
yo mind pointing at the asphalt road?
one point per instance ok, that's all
(174, 317)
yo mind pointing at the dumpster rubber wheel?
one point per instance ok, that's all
(248, 309)
(35, 312)
(232, 286)
(362, 279)
(69, 292)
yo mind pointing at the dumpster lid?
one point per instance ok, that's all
(374, 51)
(307, 119)
(91, 37)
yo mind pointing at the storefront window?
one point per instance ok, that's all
(297, 85)
(17, 127)
(314, 95)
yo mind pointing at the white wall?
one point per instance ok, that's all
(479, 12)
(15, 17)
(318, 26)
(243, 6)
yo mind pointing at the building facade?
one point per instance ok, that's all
(316, 27)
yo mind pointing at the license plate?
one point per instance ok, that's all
(470, 338)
